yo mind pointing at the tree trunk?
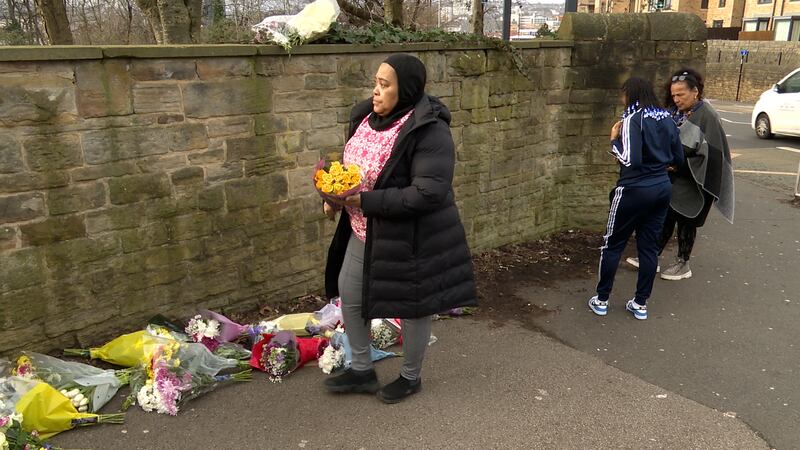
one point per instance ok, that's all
(393, 12)
(477, 17)
(56, 24)
(195, 18)
(175, 21)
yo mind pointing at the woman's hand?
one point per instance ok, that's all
(672, 168)
(615, 130)
(353, 201)
(330, 211)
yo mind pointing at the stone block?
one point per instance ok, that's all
(326, 138)
(21, 207)
(188, 175)
(54, 229)
(116, 144)
(161, 163)
(269, 165)
(10, 155)
(156, 97)
(298, 101)
(90, 173)
(44, 101)
(587, 96)
(677, 27)
(211, 198)
(673, 50)
(103, 88)
(163, 69)
(21, 269)
(250, 148)
(229, 126)
(270, 123)
(474, 94)
(166, 119)
(287, 83)
(212, 68)
(300, 182)
(290, 142)
(270, 66)
(318, 81)
(627, 27)
(224, 171)
(52, 152)
(136, 188)
(189, 227)
(588, 53)
(583, 27)
(75, 198)
(66, 256)
(139, 239)
(356, 72)
(230, 97)
(557, 57)
(252, 192)
(468, 64)
(301, 65)
(8, 238)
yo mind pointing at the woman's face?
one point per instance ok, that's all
(683, 97)
(385, 94)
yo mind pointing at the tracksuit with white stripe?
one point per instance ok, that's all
(648, 143)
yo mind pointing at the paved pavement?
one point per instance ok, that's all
(728, 337)
(484, 387)
(772, 163)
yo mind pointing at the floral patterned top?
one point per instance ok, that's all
(369, 149)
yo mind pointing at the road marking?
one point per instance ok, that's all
(733, 121)
(728, 135)
(789, 149)
(765, 172)
(735, 155)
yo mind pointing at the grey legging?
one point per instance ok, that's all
(416, 332)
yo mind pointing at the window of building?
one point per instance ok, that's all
(794, 34)
(764, 2)
(761, 24)
(703, 4)
(717, 24)
(721, 3)
(783, 28)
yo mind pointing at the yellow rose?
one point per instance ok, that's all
(318, 176)
(352, 168)
(336, 170)
(327, 178)
(326, 188)
(355, 178)
(338, 188)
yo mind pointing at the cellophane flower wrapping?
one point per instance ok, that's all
(325, 320)
(98, 386)
(178, 372)
(385, 333)
(282, 353)
(204, 331)
(43, 408)
(340, 340)
(229, 330)
(338, 181)
(290, 31)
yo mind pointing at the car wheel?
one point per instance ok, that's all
(763, 127)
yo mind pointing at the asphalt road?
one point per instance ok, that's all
(771, 163)
(728, 337)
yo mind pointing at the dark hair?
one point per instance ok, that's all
(691, 77)
(640, 90)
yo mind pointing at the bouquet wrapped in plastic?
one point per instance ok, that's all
(43, 409)
(292, 30)
(325, 321)
(338, 181)
(339, 355)
(87, 387)
(282, 353)
(385, 333)
(178, 372)
(126, 350)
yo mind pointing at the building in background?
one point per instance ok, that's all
(725, 13)
(782, 17)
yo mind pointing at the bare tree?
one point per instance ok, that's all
(173, 21)
(477, 17)
(56, 24)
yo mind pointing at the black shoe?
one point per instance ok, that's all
(399, 389)
(354, 381)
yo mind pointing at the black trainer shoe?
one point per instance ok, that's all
(354, 381)
(399, 389)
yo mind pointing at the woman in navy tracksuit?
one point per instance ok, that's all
(646, 144)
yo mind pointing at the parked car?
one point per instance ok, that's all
(778, 109)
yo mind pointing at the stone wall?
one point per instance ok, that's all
(765, 65)
(145, 180)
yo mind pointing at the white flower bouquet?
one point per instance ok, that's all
(291, 31)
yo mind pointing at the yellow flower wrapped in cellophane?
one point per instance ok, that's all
(128, 350)
(46, 410)
(338, 181)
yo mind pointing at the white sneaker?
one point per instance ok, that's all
(635, 263)
(678, 271)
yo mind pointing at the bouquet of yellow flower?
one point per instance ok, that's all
(339, 181)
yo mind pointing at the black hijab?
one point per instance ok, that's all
(411, 77)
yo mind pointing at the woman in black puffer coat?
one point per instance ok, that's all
(399, 250)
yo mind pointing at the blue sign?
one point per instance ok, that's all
(744, 52)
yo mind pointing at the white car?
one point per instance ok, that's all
(778, 109)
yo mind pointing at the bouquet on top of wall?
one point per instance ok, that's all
(290, 31)
(338, 181)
